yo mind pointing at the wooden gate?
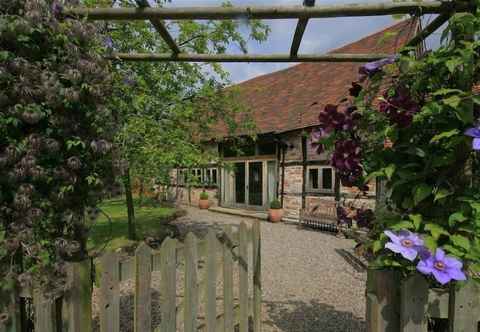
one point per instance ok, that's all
(205, 300)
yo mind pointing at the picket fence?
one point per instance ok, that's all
(394, 305)
(217, 257)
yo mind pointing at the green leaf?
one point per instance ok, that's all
(455, 218)
(389, 170)
(436, 230)
(445, 134)
(441, 193)
(446, 91)
(377, 246)
(452, 101)
(402, 225)
(460, 241)
(422, 191)
(430, 242)
(452, 250)
(417, 220)
(465, 114)
(453, 63)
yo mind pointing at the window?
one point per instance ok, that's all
(210, 176)
(320, 178)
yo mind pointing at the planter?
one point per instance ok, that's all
(395, 305)
(275, 215)
(203, 204)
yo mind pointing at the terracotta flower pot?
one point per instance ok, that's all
(275, 215)
(203, 204)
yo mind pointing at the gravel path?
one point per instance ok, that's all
(307, 285)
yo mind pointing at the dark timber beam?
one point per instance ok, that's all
(161, 28)
(300, 30)
(183, 57)
(297, 38)
(429, 29)
(264, 12)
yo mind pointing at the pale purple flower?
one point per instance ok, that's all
(475, 133)
(108, 42)
(405, 243)
(371, 68)
(443, 268)
(57, 8)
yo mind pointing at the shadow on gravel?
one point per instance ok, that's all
(313, 316)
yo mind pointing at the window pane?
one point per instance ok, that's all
(327, 178)
(313, 178)
(266, 148)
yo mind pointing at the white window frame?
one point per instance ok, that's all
(320, 179)
(207, 176)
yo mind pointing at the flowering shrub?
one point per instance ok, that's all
(414, 122)
(55, 131)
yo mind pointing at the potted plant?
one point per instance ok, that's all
(203, 202)
(275, 213)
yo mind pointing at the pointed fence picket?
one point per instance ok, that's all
(217, 258)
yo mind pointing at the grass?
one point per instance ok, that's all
(151, 221)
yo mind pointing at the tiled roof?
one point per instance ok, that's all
(292, 98)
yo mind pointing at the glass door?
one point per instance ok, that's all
(255, 183)
(239, 173)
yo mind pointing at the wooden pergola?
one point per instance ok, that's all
(303, 14)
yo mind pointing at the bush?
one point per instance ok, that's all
(275, 204)
(203, 195)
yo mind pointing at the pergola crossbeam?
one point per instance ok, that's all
(161, 28)
(429, 29)
(184, 57)
(267, 12)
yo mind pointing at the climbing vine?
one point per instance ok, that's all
(414, 122)
(55, 134)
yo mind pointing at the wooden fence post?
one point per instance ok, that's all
(257, 277)
(211, 280)
(414, 305)
(9, 306)
(143, 295)
(191, 286)
(77, 301)
(243, 266)
(109, 294)
(227, 280)
(168, 263)
(45, 312)
(464, 307)
(383, 301)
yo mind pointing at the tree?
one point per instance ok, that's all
(161, 121)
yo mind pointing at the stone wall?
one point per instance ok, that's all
(191, 196)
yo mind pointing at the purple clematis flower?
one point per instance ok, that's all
(443, 268)
(405, 243)
(475, 133)
(371, 68)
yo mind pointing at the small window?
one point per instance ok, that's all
(210, 177)
(320, 178)
(214, 176)
(266, 148)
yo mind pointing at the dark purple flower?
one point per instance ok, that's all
(405, 243)
(355, 89)
(371, 68)
(443, 268)
(475, 133)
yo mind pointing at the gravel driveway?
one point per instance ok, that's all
(307, 285)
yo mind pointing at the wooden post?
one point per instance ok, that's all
(257, 277)
(464, 307)
(211, 281)
(77, 301)
(109, 294)
(191, 286)
(383, 301)
(228, 280)
(414, 304)
(10, 306)
(243, 266)
(143, 295)
(169, 281)
(45, 312)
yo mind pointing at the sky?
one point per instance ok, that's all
(320, 36)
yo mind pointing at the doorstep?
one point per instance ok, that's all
(240, 212)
